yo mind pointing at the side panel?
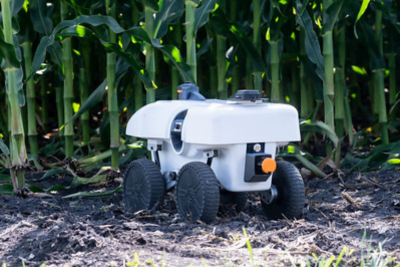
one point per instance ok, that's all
(228, 167)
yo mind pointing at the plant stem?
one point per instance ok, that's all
(249, 74)
(305, 106)
(275, 92)
(294, 99)
(137, 85)
(235, 83)
(329, 87)
(150, 62)
(221, 60)
(190, 38)
(30, 97)
(392, 79)
(68, 88)
(84, 90)
(112, 93)
(340, 84)
(18, 150)
(60, 110)
(379, 76)
(176, 35)
(257, 40)
(45, 102)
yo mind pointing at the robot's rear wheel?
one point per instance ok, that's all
(197, 192)
(143, 185)
(289, 197)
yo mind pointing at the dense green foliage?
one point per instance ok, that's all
(335, 61)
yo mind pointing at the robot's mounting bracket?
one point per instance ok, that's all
(210, 154)
(154, 146)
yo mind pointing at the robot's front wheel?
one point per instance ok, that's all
(143, 185)
(197, 192)
(289, 197)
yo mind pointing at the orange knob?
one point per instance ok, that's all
(268, 165)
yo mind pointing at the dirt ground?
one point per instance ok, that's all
(97, 232)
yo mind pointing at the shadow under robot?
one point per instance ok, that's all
(214, 151)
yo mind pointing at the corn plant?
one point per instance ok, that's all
(13, 73)
(68, 86)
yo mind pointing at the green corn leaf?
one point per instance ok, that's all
(172, 55)
(18, 72)
(41, 17)
(49, 174)
(91, 101)
(385, 7)
(313, 48)
(394, 161)
(237, 35)
(170, 12)
(35, 189)
(315, 79)
(4, 148)
(15, 7)
(331, 16)
(94, 194)
(47, 41)
(170, 52)
(5, 178)
(294, 151)
(319, 126)
(97, 95)
(204, 47)
(6, 189)
(76, 30)
(377, 61)
(7, 51)
(309, 165)
(202, 13)
(77, 181)
(150, 4)
(132, 61)
(364, 6)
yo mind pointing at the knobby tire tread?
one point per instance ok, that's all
(293, 204)
(210, 191)
(155, 181)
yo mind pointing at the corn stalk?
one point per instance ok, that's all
(112, 93)
(13, 79)
(68, 87)
(45, 102)
(379, 76)
(329, 86)
(31, 97)
(257, 40)
(150, 60)
(84, 87)
(176, 35)
(340, 84)
(235, 83)
(190, 36)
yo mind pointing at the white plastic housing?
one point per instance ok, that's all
(216, 125)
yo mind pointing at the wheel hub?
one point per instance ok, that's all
(270, 195)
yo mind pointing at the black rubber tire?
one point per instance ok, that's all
(238, 199)
(291, 193)
(143, 185)
(197, 192)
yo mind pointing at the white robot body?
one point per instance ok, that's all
(228, 135)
